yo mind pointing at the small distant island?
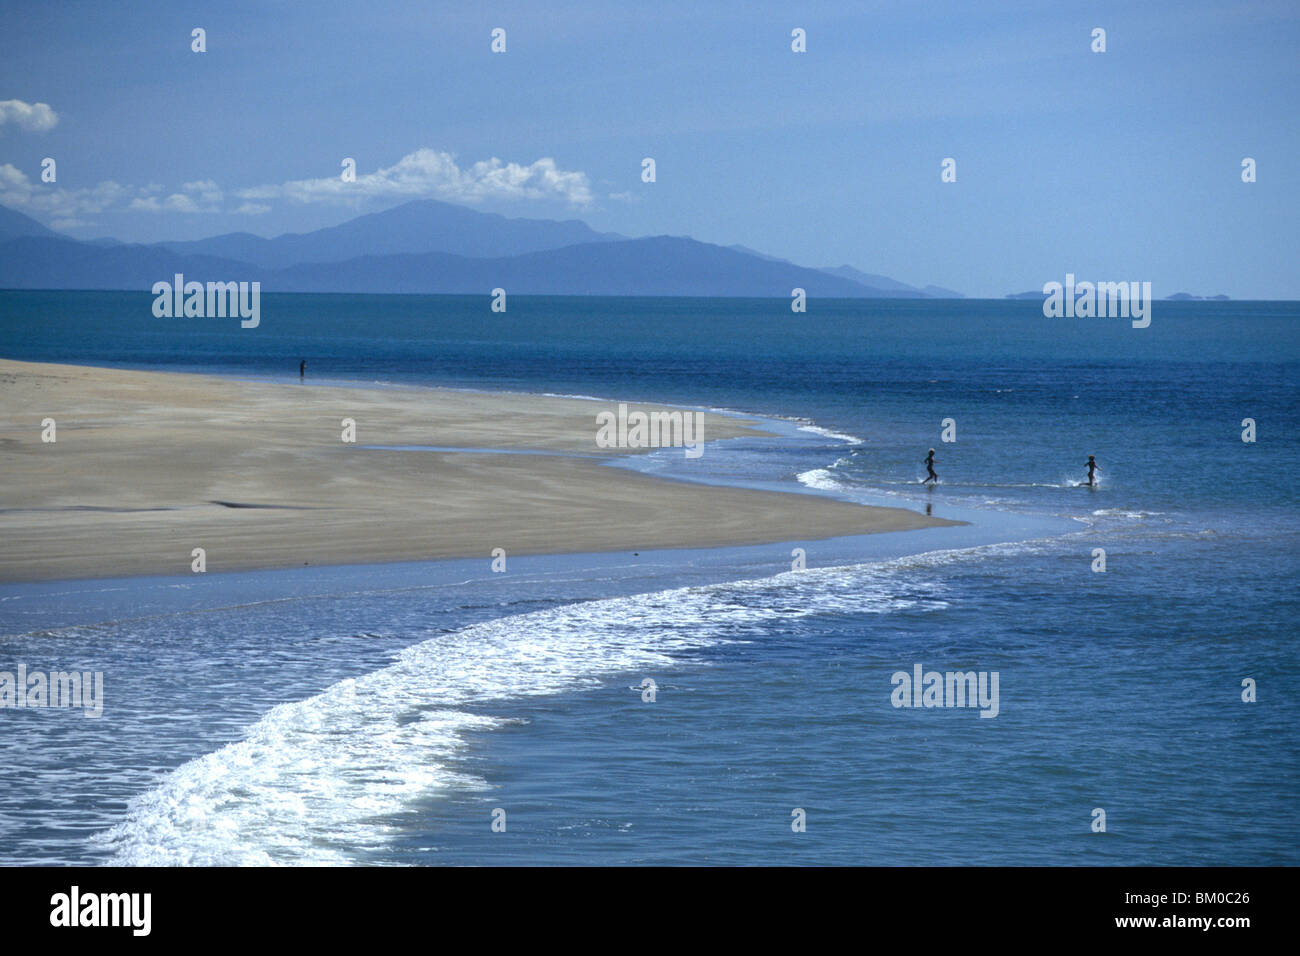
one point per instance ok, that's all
(1176, 297)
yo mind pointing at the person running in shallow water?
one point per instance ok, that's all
(929, 467)
(1093, 468)
(302, 370)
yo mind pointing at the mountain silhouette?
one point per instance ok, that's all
(424, 225)
(15, 225)
(427, 246)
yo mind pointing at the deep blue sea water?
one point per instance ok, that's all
(380, 714)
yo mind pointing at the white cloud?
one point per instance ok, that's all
(33, 117)
(430, 173)
(423, 173)
(70, 208)
(201, 196)
(19, 192)
(206, 191)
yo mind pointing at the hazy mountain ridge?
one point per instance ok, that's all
(424, 225)
(661, 265)
(902, 289)
(658, 265)
(427, 246)
(15, 225)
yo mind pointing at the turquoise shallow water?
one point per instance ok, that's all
(382, 714)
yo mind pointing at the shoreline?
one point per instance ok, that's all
(147, 466)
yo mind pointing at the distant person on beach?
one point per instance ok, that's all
(929, 467)
(1093, 467)
(302, 370)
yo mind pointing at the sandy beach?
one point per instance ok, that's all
(147, 466)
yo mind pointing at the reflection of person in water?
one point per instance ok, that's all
(302, 369)
(1093, 467)
(929, 467)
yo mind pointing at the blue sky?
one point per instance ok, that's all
(1123, 165)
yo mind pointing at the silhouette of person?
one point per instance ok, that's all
(302, 370)
(1093, 467)
(929, 467)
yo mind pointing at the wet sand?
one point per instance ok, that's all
(147, 466)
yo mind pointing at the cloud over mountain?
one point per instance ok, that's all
(432, 174)
(423, 174)
(201, 196)
(65, 207)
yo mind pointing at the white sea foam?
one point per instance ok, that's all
(827, 433)
(585, 398)
(319, 781)
(313, 779)
(821, 479)
(1125, 513)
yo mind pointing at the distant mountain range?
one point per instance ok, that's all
(414, 227)
(884, 282)
(428, 246)
(14, 225)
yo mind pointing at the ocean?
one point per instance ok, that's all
(390, 714)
